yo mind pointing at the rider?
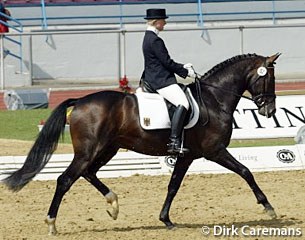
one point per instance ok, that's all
(159, 73)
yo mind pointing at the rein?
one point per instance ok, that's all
(200, 99)
(197, 81)
(254, 99)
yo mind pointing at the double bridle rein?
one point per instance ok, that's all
(255, 99)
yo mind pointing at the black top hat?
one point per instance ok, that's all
(155, 13)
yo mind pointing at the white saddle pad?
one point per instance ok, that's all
(154, 114)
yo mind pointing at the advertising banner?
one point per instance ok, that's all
(289, 118)
(255, 158)
(129, 163)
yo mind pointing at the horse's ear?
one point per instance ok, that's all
(272, 59)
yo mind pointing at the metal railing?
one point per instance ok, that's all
(199, 15)
(121, 45)
(17, 26)
(200, 12)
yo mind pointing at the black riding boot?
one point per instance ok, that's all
(176, 130)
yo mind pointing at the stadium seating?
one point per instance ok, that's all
(51, 2)
(24, 3)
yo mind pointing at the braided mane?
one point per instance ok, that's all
(226, 62)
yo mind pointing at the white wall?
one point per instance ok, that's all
(94, 57)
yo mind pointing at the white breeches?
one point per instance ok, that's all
(174, 94)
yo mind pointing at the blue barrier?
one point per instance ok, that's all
(199, 11)
(17, 26)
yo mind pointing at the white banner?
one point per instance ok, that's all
(129, 163)
(289, 117)
(255, 158)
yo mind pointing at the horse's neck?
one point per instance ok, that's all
(227, 91)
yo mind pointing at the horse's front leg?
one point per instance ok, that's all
(180, 169)
(225, 159)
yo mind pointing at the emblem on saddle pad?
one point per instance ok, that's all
(147, 121)
(153, 111)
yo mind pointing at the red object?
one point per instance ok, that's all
(3, 27)
(124, 84)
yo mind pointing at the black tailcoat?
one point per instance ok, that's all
(159, 69)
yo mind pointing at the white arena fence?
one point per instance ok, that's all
(129, 163)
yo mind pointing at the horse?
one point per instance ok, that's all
(101, 123)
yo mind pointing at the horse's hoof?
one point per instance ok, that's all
(112, 199)
(271, 213)
(169, 225)
(113, 215)
(51, 226)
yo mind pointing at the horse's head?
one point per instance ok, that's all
(261, 85)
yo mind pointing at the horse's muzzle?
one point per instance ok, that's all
(267, 110)
(265, 104)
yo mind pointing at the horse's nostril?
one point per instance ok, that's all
(273, 111)
(270, 112)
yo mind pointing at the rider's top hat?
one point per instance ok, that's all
(156, 13)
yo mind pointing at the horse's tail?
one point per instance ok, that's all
(43, 148)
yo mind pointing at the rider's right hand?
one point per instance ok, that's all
(188, 65)
(191, 73)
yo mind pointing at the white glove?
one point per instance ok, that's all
(190, 69)
(191, 73)
(188, 65)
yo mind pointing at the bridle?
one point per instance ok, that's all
(256, 99)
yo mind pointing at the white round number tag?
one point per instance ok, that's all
(262, 71)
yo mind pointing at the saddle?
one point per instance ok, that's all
(156, 112)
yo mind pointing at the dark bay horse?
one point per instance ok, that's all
(103, 122)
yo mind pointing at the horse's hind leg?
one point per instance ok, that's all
(90, 176)
(225, 159)
(64, 182)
